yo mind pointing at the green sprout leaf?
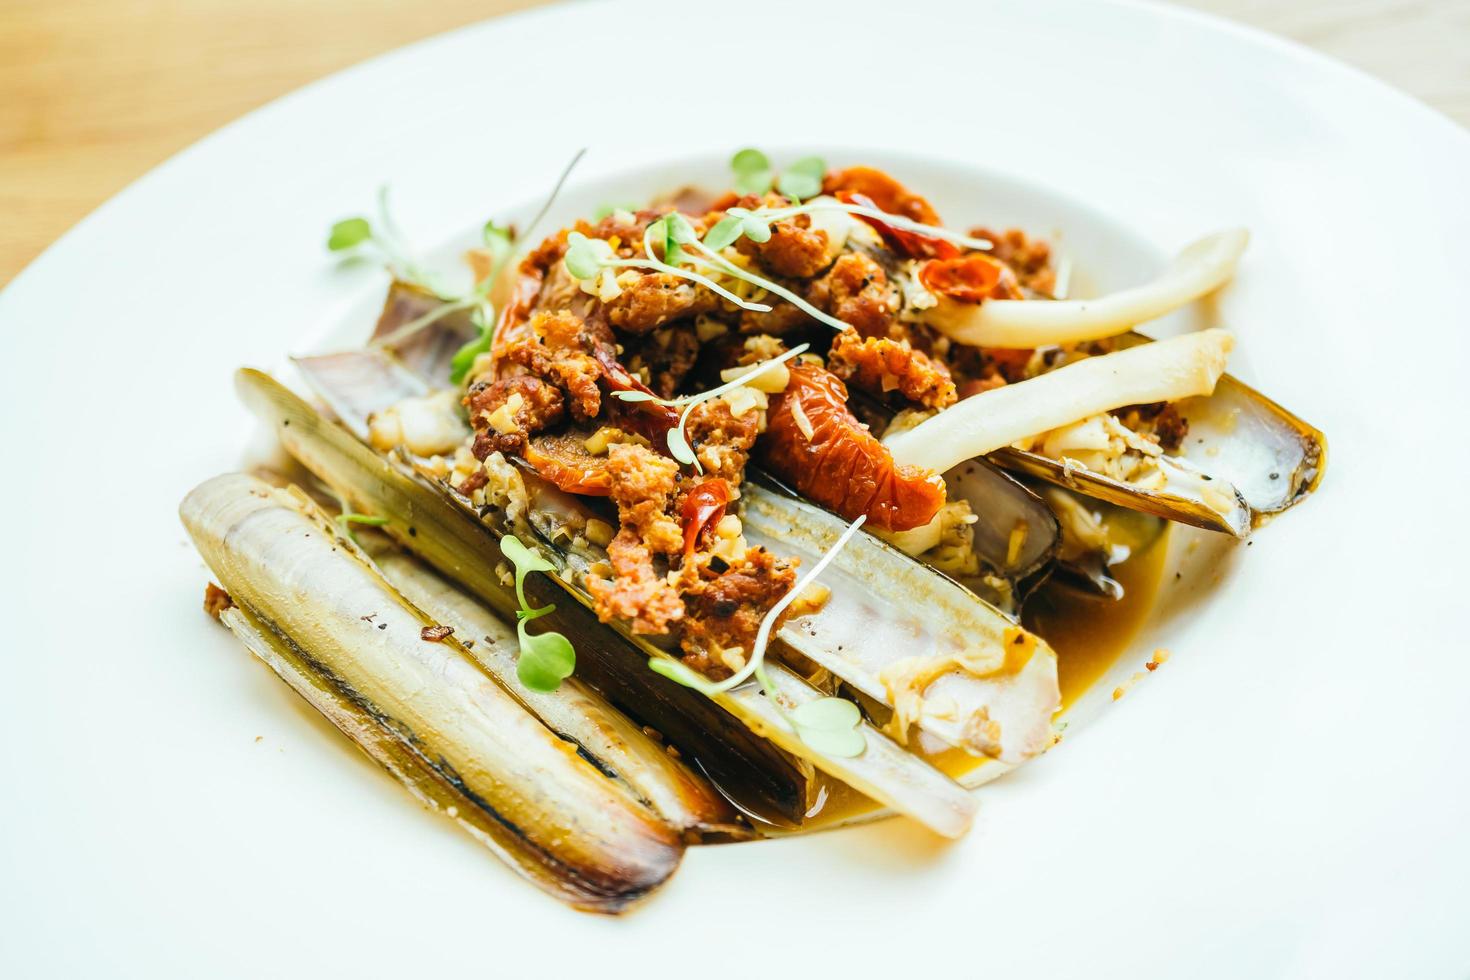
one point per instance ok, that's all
(349, 233)
(346, 519)
(664, 231)
(844, 744)
(498, 240)
(752, 171)
(678, 673)
(635, 396)
(756, 228)
(803, 179)
(525, 561)
(827, 714)
(608, 209)
(749, 160)
(367, 519)
(723, 234)
(830, 725)
(546, 659)
(464, 358)
(679, 446)
(680, 230)
(583, 260)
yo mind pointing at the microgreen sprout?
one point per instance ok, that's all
(826, 726)
(798, 181)
(677, 441)
(358, 232)
(752, 171)
(772, 215)
(546, 659)
(802, 179)
(607, 209)
(345, 521)
(586, 257)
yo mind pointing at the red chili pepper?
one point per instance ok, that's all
(914, 244)
(973, 278)
(703, 507)
(649, 419)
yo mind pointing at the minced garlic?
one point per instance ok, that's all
(803, 424)
(599, 532)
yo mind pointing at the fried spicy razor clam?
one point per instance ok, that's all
(648, 356)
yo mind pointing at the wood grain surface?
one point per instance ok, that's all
(95, 92)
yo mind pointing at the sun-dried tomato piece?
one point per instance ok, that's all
(565, 461)
(913, 244)
(649, 419)
(973, 278)
(816, 444)
(888, 194)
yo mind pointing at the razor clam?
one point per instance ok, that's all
(421, 350)
(986, 691)
(886, 613)
(760, 778)
(1015, 534)
(883, 771)
(1246, 459)
(423, 707)
(1096, 536)
(986, 703)
(617, 746)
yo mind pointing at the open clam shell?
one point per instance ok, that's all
(332, 627)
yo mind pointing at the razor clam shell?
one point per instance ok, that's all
(884, 771)
(575, 712)
(885, 608)
(998, 500)
(436, 526)
(1245, 460)
(427, 352)
(424, 705)
(1192, 497)
(876, 602)
(1002, 505)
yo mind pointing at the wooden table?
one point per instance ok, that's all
(95, 92)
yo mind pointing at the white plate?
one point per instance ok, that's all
(1286, 797)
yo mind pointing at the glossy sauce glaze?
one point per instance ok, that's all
(1090, 634)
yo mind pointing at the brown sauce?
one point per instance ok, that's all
(1089, 634)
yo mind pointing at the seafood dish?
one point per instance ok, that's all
(732, 513)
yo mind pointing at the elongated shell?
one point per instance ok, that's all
(1245, 460)
(426, 706)
(884, 771)
(575, 712)
(763, 780)
(889, 617)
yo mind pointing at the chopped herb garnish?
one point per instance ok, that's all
(829, 725)
(546, 659)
